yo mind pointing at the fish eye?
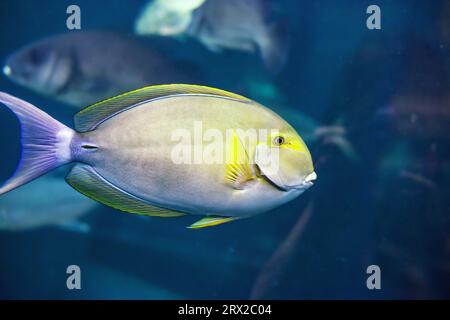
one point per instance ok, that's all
(278, 140)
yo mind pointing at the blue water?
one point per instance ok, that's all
(389, 207)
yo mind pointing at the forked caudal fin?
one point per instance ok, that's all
(45, 142)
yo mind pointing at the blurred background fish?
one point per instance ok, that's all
(166, 17)
(252, 26)
(81, 68)
(31, 207)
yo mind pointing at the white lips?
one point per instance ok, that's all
(311, 177)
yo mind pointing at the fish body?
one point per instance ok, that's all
(145, 152)
(249, 26)
(147, 147)
(81, 68)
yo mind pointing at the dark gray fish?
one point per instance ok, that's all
(81, 68)
(246, 25)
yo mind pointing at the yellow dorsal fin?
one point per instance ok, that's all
(90, 117)
(238, 171)
(210, 221)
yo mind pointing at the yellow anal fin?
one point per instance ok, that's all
(238, 171)
(210, 221)
(87, 181)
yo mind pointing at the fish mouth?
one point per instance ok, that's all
(311, 177)
(308, 182)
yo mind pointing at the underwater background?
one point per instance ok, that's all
(376, 104)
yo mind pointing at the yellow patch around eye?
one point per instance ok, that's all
(294, 145)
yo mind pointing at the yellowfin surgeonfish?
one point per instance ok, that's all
(133, 153)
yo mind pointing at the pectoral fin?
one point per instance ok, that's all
(210, 221)
(88, 182)
(239, 174)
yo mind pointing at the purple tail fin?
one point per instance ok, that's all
(45, 142)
